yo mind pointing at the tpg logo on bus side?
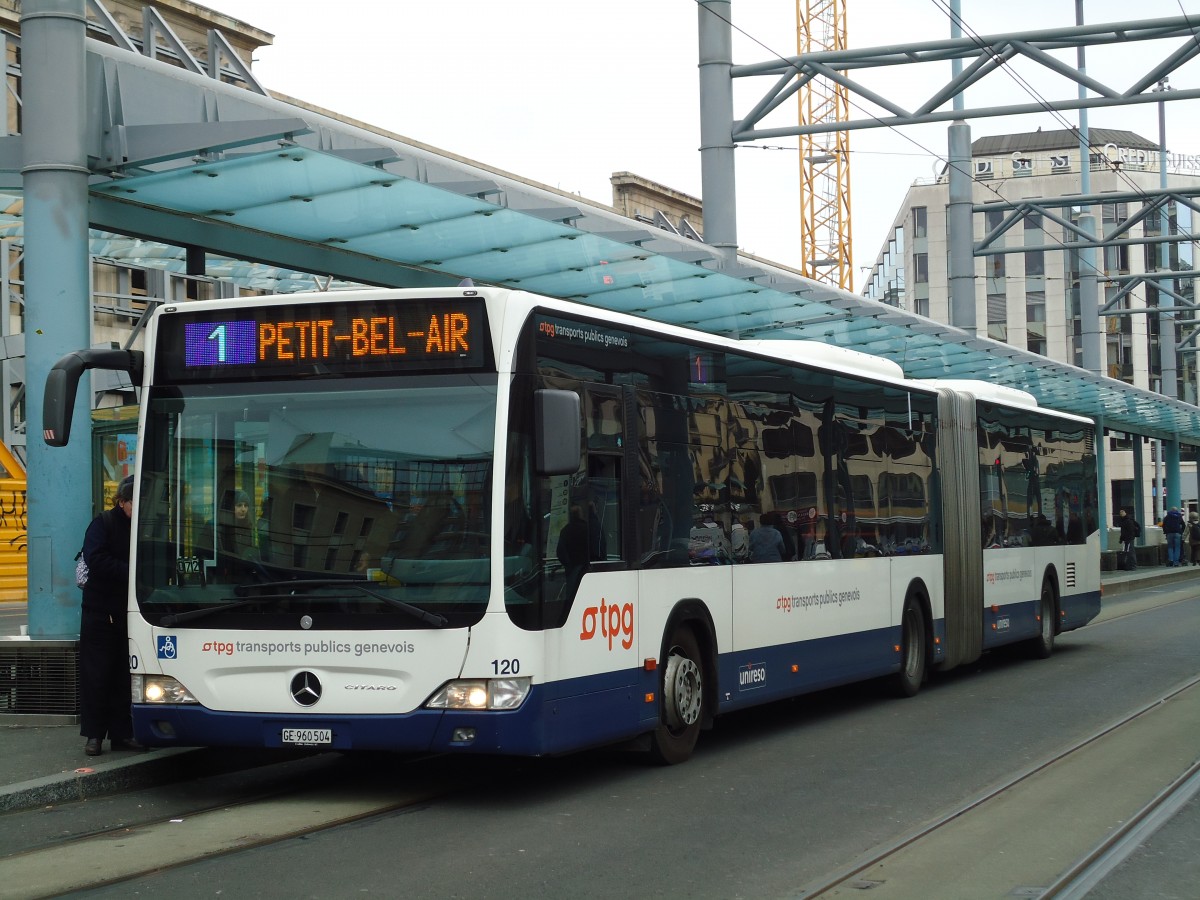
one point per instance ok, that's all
(614, 622)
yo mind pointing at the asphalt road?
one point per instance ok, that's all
(774, 799)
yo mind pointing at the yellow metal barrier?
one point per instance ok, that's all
(14, 555)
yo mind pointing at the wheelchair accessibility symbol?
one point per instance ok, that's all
(167, 648)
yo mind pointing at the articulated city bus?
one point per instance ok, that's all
(478, 520)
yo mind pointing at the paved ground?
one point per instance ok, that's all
(45, 764)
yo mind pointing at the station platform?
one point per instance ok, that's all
(45, 764)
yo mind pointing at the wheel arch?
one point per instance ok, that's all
(693, 613)
(1050, 576)
(919, 591)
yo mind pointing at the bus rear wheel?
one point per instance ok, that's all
(913, 656)
(1042, 646)
(681, 704)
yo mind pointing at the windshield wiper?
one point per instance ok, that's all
(287, 590)
(176, 618)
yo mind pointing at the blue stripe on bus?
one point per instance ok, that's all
(1018, 621)
(1078, 609)
(590, 711)
(750, 677)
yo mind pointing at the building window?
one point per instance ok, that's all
(920, 222)
(1035, 322)
(920, 268)
(1060, 163)
(1123, 492)
(997, 317)
(1022, 166)
(1035, 263)
(983, 169)
(1116, 260)
(1035, 308)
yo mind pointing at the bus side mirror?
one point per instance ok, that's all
(557, 420)
(62, 383)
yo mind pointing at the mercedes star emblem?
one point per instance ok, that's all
(306, 688)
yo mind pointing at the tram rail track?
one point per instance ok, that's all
(1087, 872)
(120, 853)
(875, 870)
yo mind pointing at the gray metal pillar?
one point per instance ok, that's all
(58, 307)
(1174, 486)
(960, 222)
(1139, 490)
(960, 229)
(1167, 332)
(1102, 521)
(1091, 338)
(717, 170)
(1159, 492)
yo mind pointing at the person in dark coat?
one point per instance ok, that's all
(103, 644)
(1173, 527)
(1130, 532)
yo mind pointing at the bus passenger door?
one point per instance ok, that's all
(594, 657)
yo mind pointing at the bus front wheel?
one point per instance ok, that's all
(681, 705)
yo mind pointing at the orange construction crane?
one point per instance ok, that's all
(825, 242)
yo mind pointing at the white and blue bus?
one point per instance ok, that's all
(477, 520)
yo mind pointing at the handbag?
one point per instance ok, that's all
(81, 570)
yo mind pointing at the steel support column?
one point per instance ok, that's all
(1139, 487)
(1102, 519)
(1091, 338)
(57, 300)
(717, 169)
(961, 230)
(1173, 487)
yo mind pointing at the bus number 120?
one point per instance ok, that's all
(506, 666)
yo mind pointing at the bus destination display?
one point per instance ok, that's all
(326, 338)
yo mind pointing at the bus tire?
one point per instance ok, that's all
(681, 704)
(914, 657)
(1042, 646)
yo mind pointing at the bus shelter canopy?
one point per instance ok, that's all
(415, 233)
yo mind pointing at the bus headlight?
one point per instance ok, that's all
(159, 689)
(481, 693)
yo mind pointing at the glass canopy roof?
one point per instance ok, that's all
(322, 200)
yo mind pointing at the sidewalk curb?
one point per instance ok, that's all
(1139, 583)
(140, 770)
(89, 781)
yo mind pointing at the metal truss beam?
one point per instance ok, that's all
(1020, 209)
(987, 54)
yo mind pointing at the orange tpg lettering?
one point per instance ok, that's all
(613, 620)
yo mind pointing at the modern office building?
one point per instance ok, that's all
(1027, 291)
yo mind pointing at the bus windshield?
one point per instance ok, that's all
(356, 504)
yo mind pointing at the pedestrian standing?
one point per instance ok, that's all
(1130, 532)
(1194, 538)
(1173, 528)
(103, 644)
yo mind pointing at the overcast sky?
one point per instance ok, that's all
(566, 92)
